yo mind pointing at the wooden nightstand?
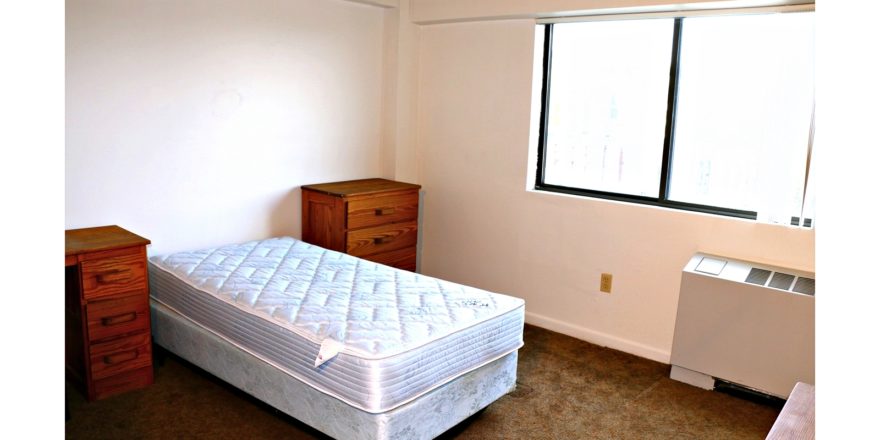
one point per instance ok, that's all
(375, 219)
(107, 311)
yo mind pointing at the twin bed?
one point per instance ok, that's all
(355, 349)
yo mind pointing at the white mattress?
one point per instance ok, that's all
(402, 334)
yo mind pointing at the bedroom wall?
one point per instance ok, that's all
(481, 226)
(193, 122)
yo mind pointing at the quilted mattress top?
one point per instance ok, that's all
(373, 310)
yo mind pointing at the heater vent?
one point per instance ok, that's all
(758, 276)
(807, 286)
(781, 280)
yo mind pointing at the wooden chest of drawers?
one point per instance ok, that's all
(375, 219)
(107, 312)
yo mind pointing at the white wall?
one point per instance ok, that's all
(193, 123)
(399, 153)
(482, 227)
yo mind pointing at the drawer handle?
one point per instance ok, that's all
(118, 319)
(117, 358)
(382, 240)
(384, 211)
(114, 275)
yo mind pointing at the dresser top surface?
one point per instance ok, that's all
(101, 238)
(350, 188)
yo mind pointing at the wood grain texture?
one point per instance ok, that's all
(404, 258)
(120, 355)
(372, 211)
(118, 316)
(323, 221)
(382, 238)
(376, 219)
(798, 417)
(131, 380)
(111, 276)
(361, 187)
(85, 240)
(107, 317)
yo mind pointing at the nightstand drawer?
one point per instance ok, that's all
(384, 209)
(382, 238)
(120, 355)
(112, 275)
(117, 315)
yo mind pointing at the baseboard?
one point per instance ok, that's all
(598, 338)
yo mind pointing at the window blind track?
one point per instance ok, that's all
(665, 12)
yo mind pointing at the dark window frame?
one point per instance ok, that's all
(668, 142)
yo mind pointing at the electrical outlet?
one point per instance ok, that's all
(605, 283)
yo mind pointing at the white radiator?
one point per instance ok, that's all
(745, 323)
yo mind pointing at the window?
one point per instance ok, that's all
(704, 113)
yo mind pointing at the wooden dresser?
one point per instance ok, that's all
(107, 311)
(375, 219)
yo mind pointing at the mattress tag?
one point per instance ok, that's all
(329, 349)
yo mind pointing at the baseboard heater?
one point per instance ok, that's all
(744, 323)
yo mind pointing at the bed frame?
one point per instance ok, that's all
(423, 418)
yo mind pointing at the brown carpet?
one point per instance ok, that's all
(567, 389)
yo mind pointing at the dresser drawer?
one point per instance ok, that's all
(129, 380)
(379, 210)
(112, 275)
(400, 258)
(120, 355)
(117, 315)
(382, 238)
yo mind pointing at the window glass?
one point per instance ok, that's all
(607, 106)
(745, 103)
(738, 128)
